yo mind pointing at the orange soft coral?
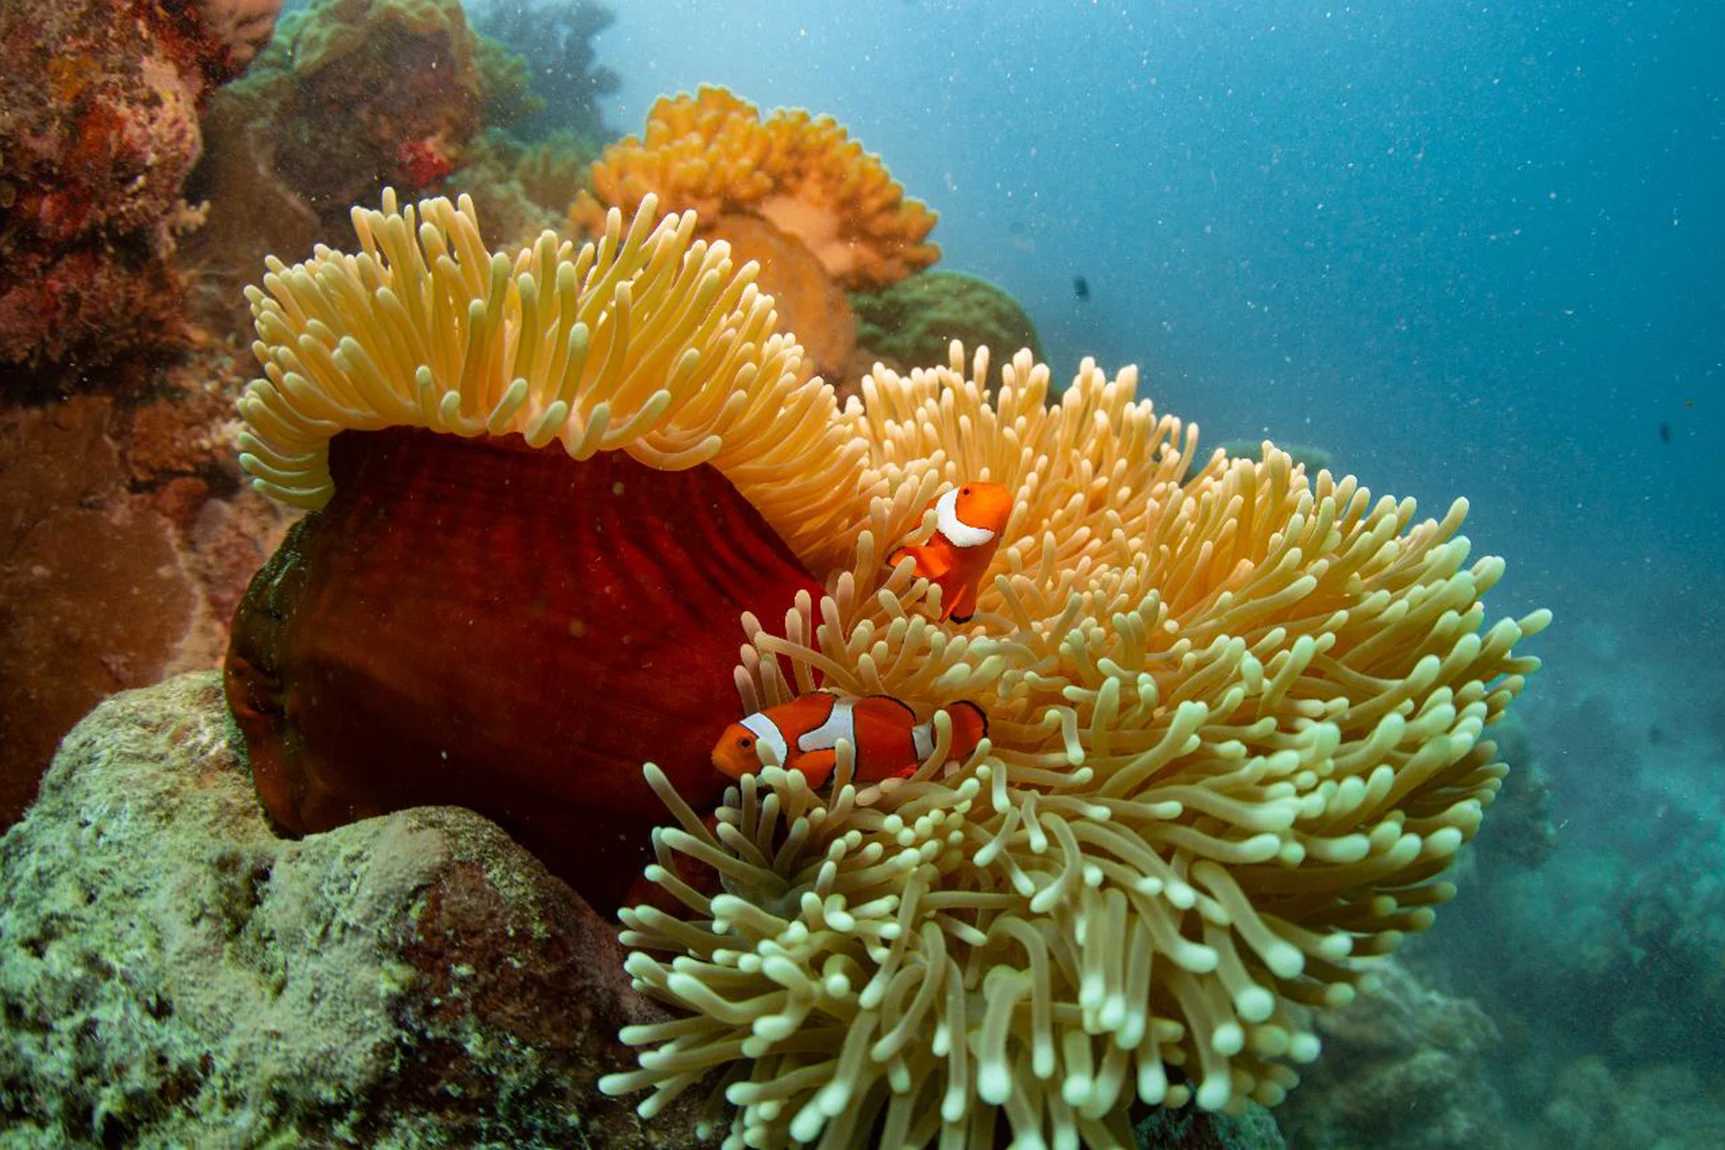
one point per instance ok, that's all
(803, 173)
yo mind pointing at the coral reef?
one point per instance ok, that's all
(1523, 831)
(239, 29)
(555, 39)
(1190, 1129)
(526, 187)
(402, 80)
(98, 131)
(1662, 1107)
(1603, 963)
(172, 973)
(504, 78)
(810, 304)
(915, 321)
(1670, 947)
(1407, 1060)
(92, 598)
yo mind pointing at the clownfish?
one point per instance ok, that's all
(803, 735)
(968, 523)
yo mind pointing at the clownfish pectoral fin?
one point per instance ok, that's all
(817, 766)
(931, 562)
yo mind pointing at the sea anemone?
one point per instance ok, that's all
(544, 488)
(713, 153)
(647, 342)
(1236, 720)
(1237, 734)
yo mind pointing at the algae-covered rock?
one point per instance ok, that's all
(1407, 1066)
(1190, 1128)
(172, 973)
(1662, 1106)
(913, 322)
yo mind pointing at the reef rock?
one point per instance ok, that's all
(92, 595)
(126, 541)
(1190, 1128)
(1522, 834)
(1664, 1106)
(172, 973)
(1404, 1067)
(525, 189)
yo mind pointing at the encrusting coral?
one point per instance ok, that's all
(241, 27)
(1236, 722)
(914, 321)
(348, 96)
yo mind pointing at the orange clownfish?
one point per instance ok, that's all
(968, 523)
(803, 733)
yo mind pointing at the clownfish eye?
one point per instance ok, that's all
(964, 491)
(745, 743)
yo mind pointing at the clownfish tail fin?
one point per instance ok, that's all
(969, 727)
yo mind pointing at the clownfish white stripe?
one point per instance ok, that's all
(923, 736)
(957, 531)
(839, 724)
(768, 735)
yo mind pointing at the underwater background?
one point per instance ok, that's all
(1461, 249)
(1470, 249)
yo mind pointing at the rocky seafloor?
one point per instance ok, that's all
(174, 973)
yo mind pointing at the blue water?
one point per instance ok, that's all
(1471, 249)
